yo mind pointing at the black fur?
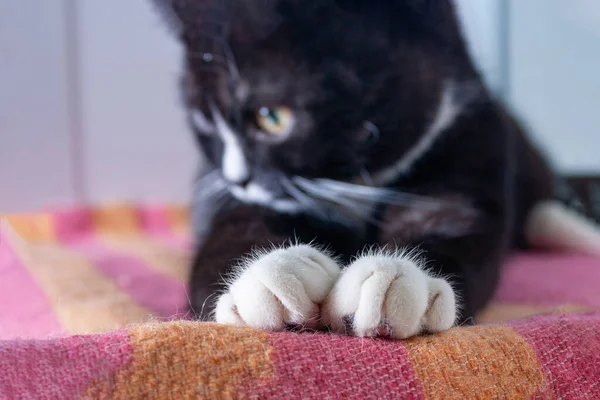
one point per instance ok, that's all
(339, 64)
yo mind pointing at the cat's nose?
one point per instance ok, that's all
(239, 180)
(243, 182)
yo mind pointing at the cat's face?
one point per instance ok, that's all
(300, 92)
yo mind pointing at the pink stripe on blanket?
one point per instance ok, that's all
(567, 350)
(550, 279)
(77, 222)
(315, 366)
(60, 368)
(24, 308)
(160, 293)
(174, 241)
(155, 222)
(72, 223)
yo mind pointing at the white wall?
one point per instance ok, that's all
(554, 70)
(35, 143)
(135, 144)
(482, 26)
(89, 105)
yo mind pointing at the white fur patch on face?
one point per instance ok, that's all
(389, 294)
(283, 286)
(235, 166)
(252, 193)
(452, 103)
(286, 206)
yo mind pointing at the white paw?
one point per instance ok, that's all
(280, 287)
(389, 295)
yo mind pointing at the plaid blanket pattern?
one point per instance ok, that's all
(93, 302)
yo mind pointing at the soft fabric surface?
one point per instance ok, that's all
(86, 297)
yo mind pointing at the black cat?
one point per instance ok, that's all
(358, 127)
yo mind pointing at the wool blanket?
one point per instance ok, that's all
(93, 304)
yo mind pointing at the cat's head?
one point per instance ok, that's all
(290, 98)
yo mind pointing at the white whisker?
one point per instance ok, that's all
(213, 190)
(359, 208)
(210, 185)
(372, 194)
(366, 176)
(327, 194)
(309, 203)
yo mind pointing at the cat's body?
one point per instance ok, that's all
(394, 141)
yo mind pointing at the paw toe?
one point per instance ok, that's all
(441, 309)
(278, 289)
(226, 311)
(390, 296)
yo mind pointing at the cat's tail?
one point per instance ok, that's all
(553, 226)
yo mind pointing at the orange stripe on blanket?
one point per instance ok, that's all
(83, 299)
(32, 227)
(152, 253)
(117, 218)
(179, 219)
(465, 363)
(504, 312)
(162, 367)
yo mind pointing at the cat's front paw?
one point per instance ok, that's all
(389, 295)
(279, 288)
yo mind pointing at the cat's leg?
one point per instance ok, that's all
(228, 237)
(450, 276)
(247, 271)
(280, 287)
(387, 293)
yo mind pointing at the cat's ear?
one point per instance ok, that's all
(398, 5)
(435, 10)
(254, 19)
(433, 18)
(250, 19)
(195, 15)
(169, 10)
(415, 14)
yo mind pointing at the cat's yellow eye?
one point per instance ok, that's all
(276, 121)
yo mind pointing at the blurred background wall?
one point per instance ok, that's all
(89, 104)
